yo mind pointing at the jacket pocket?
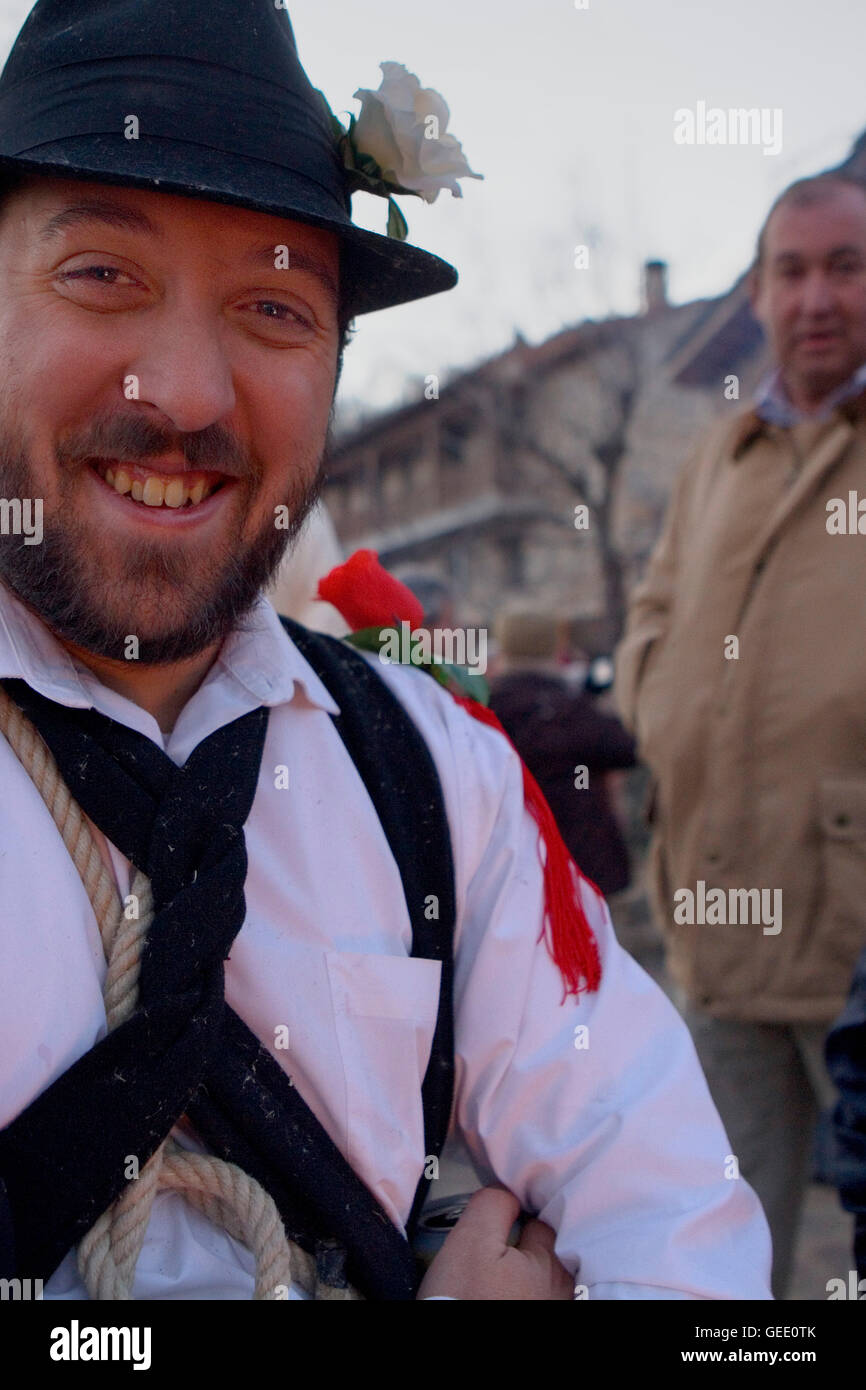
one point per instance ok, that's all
(843, 863)
(385, 1011)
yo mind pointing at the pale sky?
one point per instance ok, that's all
(569, 114)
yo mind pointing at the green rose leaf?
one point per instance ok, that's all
(368, 639)
(372, 639)
(398, 227)
(474, 686)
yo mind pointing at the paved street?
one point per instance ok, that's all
(824, 1251)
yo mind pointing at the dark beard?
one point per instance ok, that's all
(54, 580)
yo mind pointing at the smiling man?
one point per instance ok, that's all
(759, 749)
(274, 917)
(160, 520)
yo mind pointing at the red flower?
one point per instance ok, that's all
(367, 595)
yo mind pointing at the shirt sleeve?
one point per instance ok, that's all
(594, 1111)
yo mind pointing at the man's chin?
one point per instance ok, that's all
(819, 373)
(157, 644)
(156, 606)
(138, 620)
(163, 640)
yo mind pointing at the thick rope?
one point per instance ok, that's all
(108, 1253)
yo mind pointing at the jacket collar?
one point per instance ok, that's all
(750, 426)
(746, 430)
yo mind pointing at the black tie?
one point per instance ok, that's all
(183, 1051)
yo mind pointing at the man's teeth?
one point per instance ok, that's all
(158, 492)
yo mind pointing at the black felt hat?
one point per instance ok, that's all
(224, 110)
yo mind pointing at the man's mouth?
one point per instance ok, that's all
(819, 336)
(154, 489)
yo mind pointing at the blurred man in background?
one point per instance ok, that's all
(743, 672)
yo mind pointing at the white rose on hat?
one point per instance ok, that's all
(399, 144)
(402, 126)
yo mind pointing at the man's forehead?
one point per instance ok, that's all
(834, 220)
(59, 205)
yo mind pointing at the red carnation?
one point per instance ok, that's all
(367, 595)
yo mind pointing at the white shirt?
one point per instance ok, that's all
(617, 1145)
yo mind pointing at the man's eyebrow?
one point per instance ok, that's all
(98, 210)
(130, 219)
(845, 249)
(297, 260)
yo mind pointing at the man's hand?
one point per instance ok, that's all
(476, 1263)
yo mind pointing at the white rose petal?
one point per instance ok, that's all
(393, 126)
(373, 135)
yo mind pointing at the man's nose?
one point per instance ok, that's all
(182, 368)
(817, 296)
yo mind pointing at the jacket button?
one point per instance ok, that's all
(842, 819)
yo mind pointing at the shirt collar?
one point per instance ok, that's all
(774, 407)
(258, 654)
(262, 656)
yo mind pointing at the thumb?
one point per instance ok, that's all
(489, 1215)
(538, 1240)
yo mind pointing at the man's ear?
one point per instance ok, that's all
(753, 289)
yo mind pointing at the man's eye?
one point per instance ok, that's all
(100, 273)
(280, 313)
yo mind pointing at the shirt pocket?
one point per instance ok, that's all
(385, 1010)
(843, 853)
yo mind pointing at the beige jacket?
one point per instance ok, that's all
(759, 759)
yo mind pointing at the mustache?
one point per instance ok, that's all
(131, 439)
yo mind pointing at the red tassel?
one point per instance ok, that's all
(569, 936)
